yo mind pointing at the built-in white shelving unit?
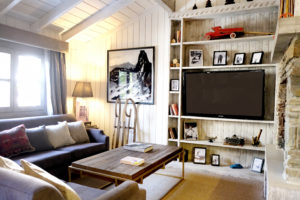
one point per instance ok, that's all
(257, 16)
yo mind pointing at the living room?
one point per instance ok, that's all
(82, 41)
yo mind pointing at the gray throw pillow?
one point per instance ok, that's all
(38, 138)
(78, 132)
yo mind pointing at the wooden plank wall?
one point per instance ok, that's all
(88, 62)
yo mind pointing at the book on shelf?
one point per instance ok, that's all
(140, 147)
(174, 109)
(172, 133)
(132, 161)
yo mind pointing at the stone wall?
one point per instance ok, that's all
(288, 111)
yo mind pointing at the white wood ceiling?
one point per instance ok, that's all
(69, 17)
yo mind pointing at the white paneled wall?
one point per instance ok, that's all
(87, 61)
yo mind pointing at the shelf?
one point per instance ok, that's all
(229, 120)
(219, 144)
(174, 68)
(173, 116)
(172, 140)
(174, 92)
(234, 9)
(175, 44)
(232, 66)
(242, 39)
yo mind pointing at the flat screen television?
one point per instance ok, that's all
(228, 94)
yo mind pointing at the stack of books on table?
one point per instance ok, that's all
(132, 161)
(141, 147)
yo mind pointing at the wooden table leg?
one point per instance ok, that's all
(182, 158)
(69, 174)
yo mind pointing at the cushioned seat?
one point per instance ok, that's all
(80, 151)
(86, 193)
(46, 159)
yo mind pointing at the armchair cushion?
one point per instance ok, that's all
(35, 171)
(9, 164)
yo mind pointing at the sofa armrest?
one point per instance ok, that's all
(15, 186)
(128, 190)
(97, 135)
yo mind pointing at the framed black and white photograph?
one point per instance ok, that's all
(130, 74)
(239, 59)
(220, 58)
(257, 165)
(196, 57)
(199, 156)
(257, 57)
(190, 131)
(174, 85)
(215, 160)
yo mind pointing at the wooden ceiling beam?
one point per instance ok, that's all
(100, 15)
(8, 6)
(168, 5)
(54, 14)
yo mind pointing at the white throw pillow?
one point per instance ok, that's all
(37, 172)
(10, 164)
(59, 135)
(78, 131)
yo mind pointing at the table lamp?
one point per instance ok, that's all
(82, 89)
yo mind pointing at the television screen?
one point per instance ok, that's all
(232, 94)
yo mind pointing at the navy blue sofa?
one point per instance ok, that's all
(56, 161)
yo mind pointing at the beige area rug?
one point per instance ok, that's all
(202, 182)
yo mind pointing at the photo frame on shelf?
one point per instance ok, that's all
(239, 59)
(257, 57)
(215, 160)
(257, 165)
(190, 131)
(220, 58)
(199, 155)
(130, 74)
(174, 85)
(195, 57)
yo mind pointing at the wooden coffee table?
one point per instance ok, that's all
(107, 165)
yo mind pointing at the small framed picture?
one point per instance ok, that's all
(239, 59)
(190, 131)
(215, 160)
(174, 85)
(257, 165)
(199, 155)
(220, 58)
(257, 57)
(196, 57)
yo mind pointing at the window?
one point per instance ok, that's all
(22, 81)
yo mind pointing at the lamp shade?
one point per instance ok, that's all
(82, 89)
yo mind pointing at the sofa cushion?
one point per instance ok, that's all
(85, 192)
(38, 138)
(46, 159)
(9, 164)
(35, 171)
(14, 141)
(79, 151)
(59, 135)
(78, 132)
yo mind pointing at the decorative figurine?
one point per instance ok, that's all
(195, 6)
(212, 139)
(208, 4)
(255, 140)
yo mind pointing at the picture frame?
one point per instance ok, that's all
(257, 165)
(190, 131)
(174, 85)
(220, 58)
(215, 160)
(130, 74)
(195, 57)
(199, 155)
(257, 57)
(239, 59)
